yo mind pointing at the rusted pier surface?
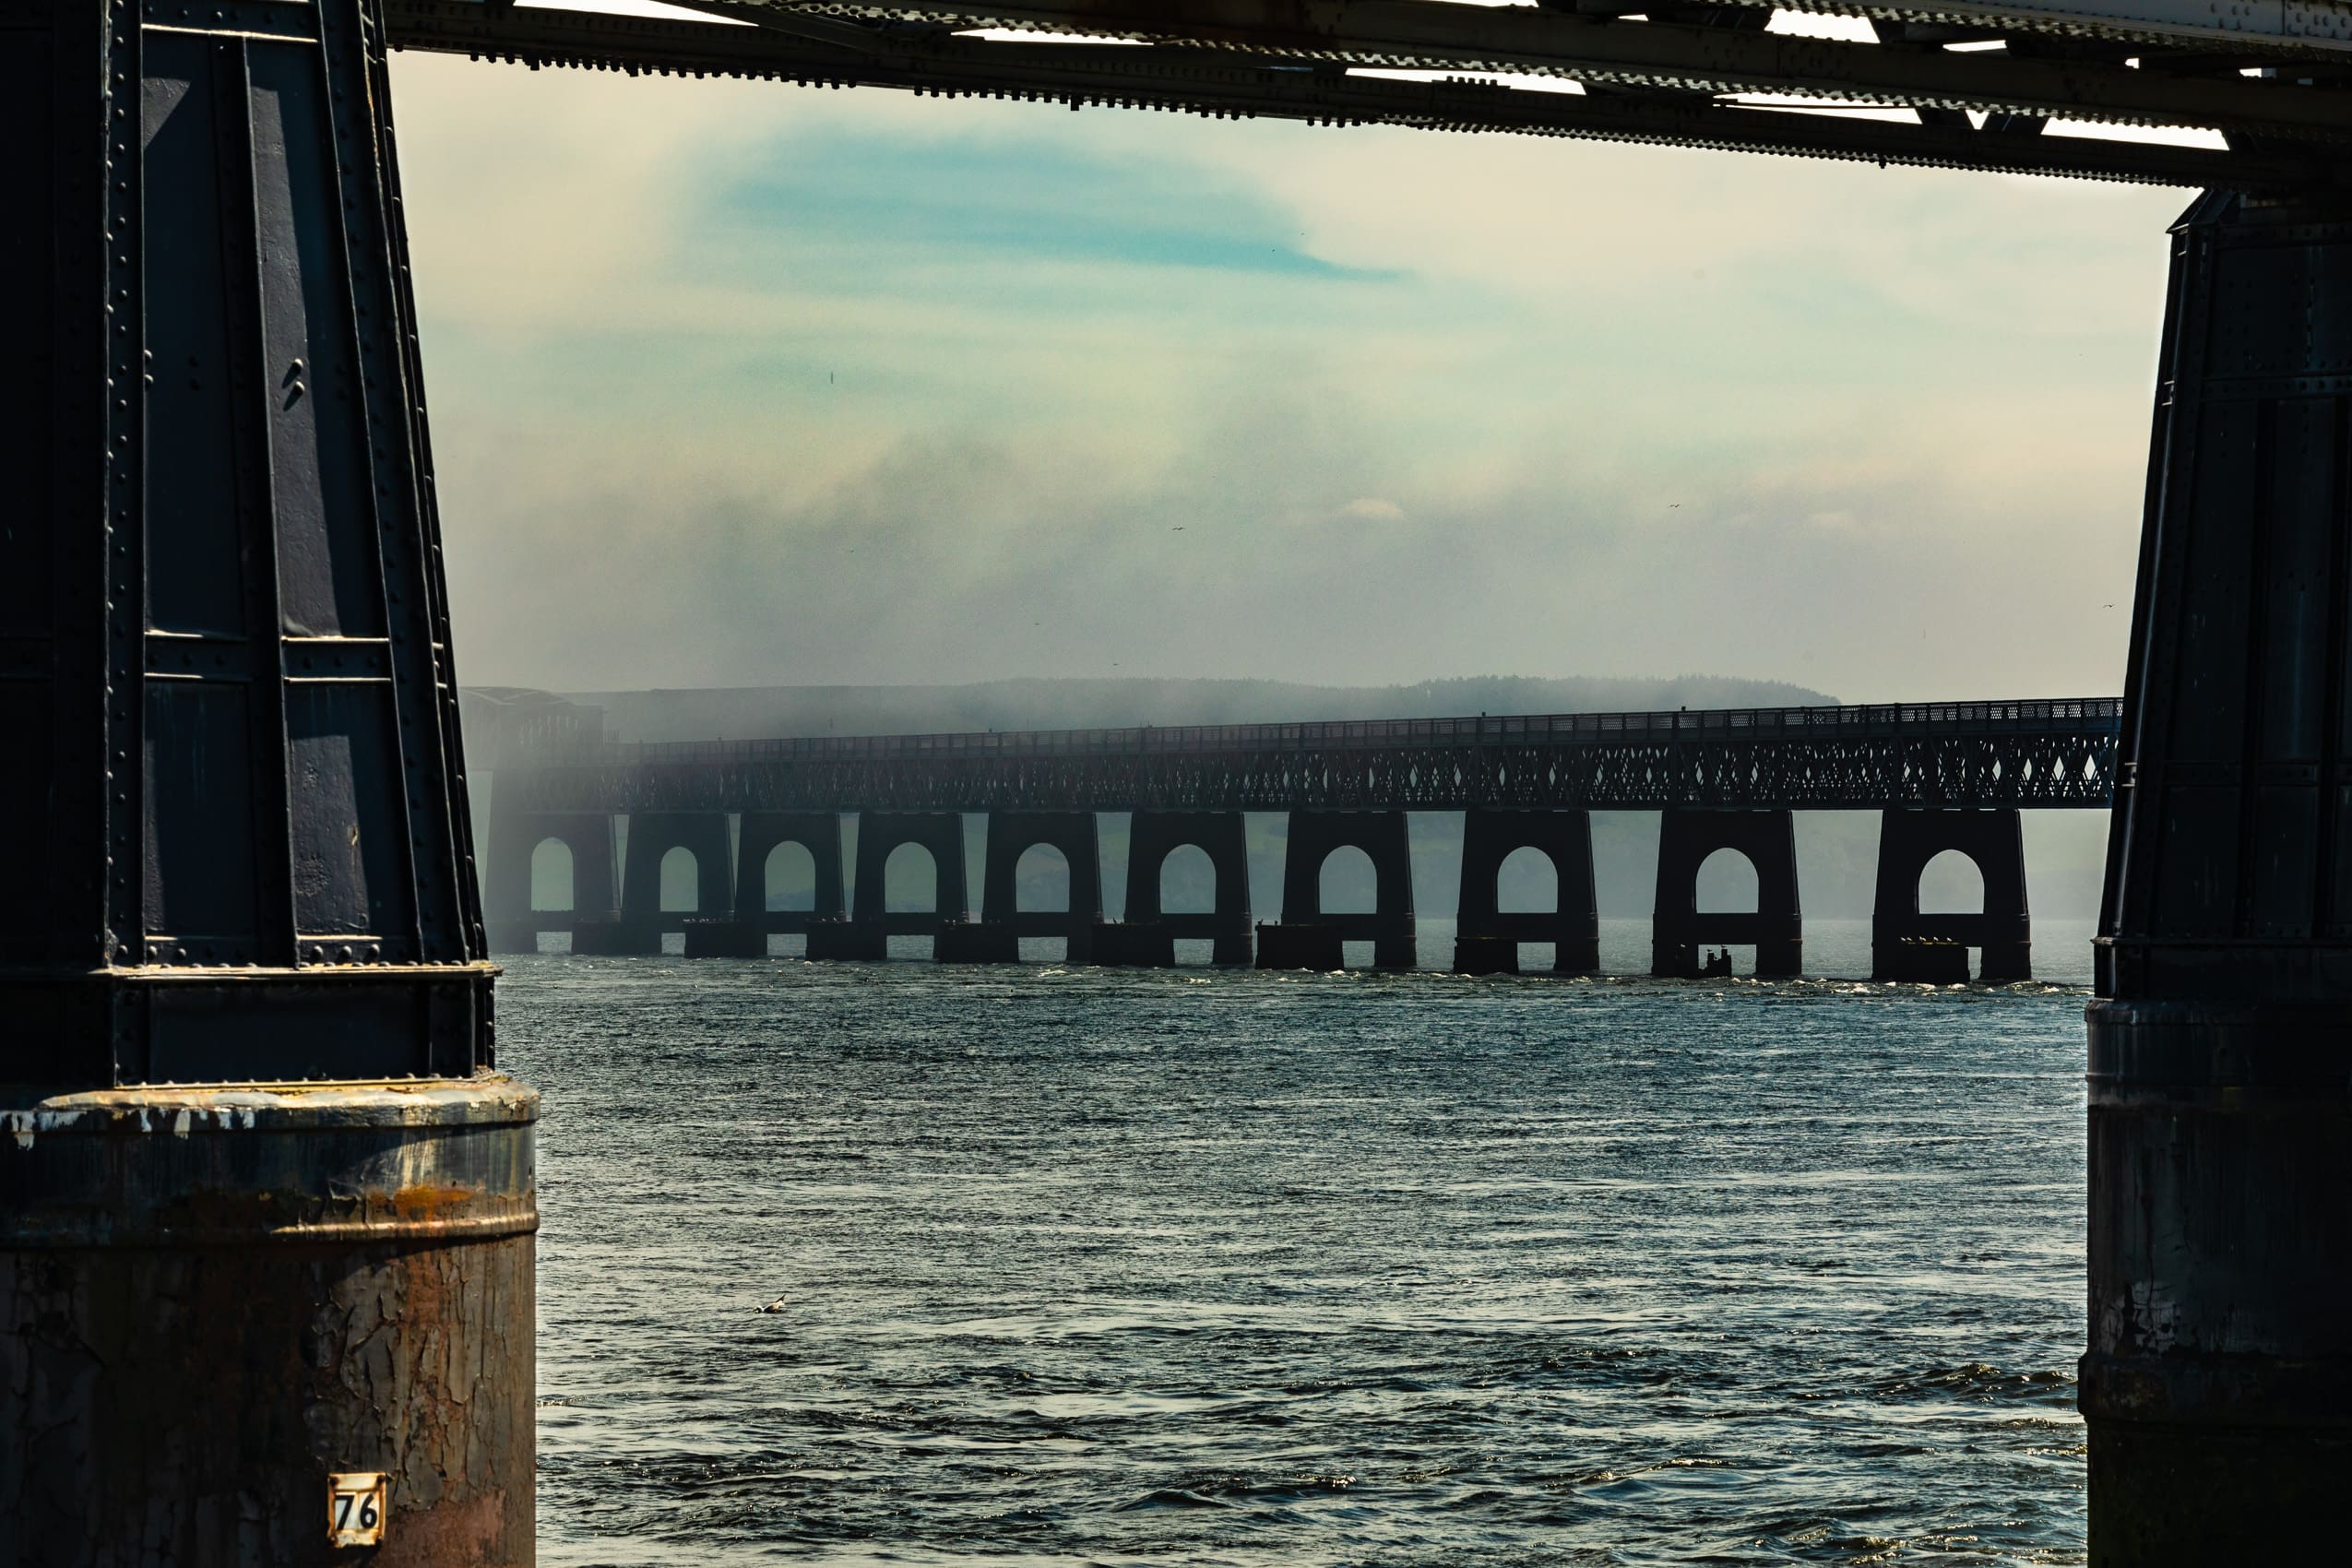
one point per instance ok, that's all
(215, 1300)
(2217, 1389)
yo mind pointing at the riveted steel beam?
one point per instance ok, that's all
(1439, 35)
(1232, 83)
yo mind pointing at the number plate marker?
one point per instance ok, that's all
(355, 1509)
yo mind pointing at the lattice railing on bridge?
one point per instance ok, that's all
(2024, 754)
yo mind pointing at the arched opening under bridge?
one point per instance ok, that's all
(1951, 884)
(554, 887)
(1728, 884)
(681, 882)
(1187, 882)
(1526, 883)
(1042, 880)
(789, 877)
(910, 881)
(1348, 884)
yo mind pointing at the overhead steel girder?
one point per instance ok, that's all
(1225, 83)
(1440, 35)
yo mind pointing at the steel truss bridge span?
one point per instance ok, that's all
(1979, 754)
(1971, 86)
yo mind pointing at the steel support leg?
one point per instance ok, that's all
(241, 857)
(2217, 1389)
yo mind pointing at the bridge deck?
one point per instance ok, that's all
(2043, 753)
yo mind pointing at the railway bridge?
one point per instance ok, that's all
(1946, 775)
(251, 915)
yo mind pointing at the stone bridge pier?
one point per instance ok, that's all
(1011, 835)
(1487, 941)
(1678, 928)
(871, 924)
(1995, 841)
(759, 835)
(644, 923)
(507, 892)
(1307, 937)
(1149, 933)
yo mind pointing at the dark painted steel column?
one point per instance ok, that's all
(2218, 1383)
(235, 848)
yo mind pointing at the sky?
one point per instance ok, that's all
(737, 384)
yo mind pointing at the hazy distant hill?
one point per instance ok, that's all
(753, 712)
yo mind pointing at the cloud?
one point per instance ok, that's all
(733, 383)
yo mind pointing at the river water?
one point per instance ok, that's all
(1191, 1266)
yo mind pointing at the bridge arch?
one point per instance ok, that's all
(520, 849)
(679, 875)
(553, 862)
(911, 880)
(769, 847)
(1187, 881)
(1527, 851)
(1153, 928)
(1348, 883)
(1910, 940)
(1046, 870)
(1528, 882)
(1728, 883)
(1314, 837)
(788, 878)
(656, 893)
(881, 835)
(1039, 843)
(1952, 883)
(1688, 840)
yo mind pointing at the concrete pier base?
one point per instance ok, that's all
(1118, 945)
(1485, 955)
(2217, 1393)
(976, 942)
(212, 1299)
(725, 939)
(847, 941)
(1921, 960)
(1300, 947)
(512, 936)
(1236, 949)
(614, 939)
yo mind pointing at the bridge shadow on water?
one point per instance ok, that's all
(1048, 1264)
